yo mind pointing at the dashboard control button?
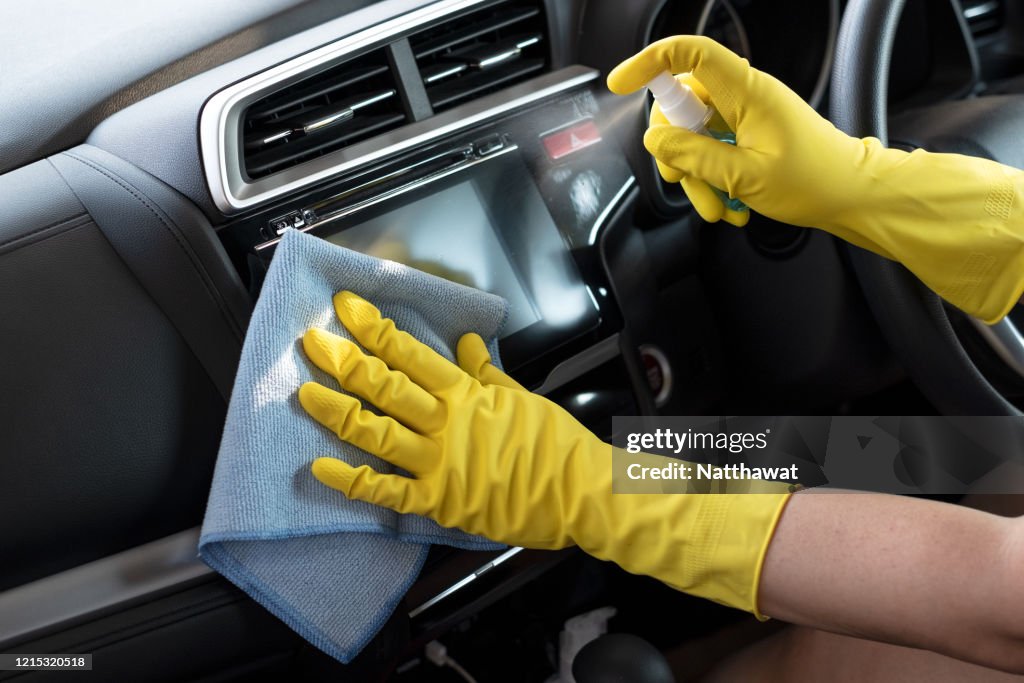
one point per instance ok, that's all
(489, 145)
(572, 139)
(659, 373)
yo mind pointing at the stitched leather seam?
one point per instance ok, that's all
(182, 243)
(31, 233)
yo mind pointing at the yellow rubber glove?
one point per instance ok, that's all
(956, 222)
(491, 458)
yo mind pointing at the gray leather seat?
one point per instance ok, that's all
(121, 322)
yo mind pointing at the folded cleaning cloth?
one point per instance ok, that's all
(330, 568)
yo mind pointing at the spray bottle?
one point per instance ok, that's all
(685, 109)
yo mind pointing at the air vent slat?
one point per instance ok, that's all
(442, 70)
(486, 56)
(313, 119)
(492, 54)
(316, 90)
(485, 81)
(264, 163)
(323, 112)
(454, 36)
(481, 51)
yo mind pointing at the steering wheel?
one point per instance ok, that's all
(914, 320)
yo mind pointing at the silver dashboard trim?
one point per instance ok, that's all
(608, 210)
(98, 585)
(393, 192)
(465, 581)
(220, 147)
(583, 362)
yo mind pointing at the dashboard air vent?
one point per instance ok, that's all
(321, 113)
(983, 16)
(481, 51)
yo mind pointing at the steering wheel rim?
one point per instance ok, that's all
(913, 319)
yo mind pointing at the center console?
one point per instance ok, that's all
(514, 206)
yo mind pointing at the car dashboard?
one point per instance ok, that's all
(472, 139)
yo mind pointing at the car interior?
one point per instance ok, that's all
(153, 154)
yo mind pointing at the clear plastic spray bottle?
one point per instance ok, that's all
(685, 109)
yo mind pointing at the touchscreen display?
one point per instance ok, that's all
(448, 234)
(487, 227)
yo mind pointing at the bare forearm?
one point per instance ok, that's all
(900, 570)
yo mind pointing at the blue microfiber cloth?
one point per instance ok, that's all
(330, 568)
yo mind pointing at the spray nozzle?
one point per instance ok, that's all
(679, 103)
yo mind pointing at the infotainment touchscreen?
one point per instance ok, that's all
(485, 226)
(447, 234)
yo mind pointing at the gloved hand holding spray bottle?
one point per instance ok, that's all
(953, 220)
